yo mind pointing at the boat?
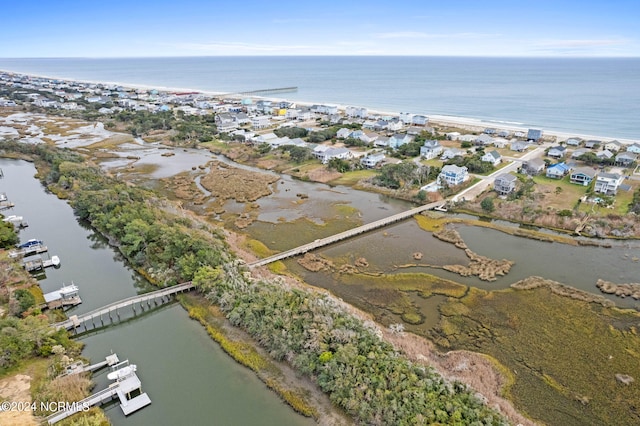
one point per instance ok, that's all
(31, 243)
(13, 218)
(55, 261)
(3, 197)
(122, 373)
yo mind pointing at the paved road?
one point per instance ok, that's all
(476, 189)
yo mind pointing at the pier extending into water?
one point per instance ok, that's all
(127, 388)
(346, 234)
(291, 89)
(112, 313)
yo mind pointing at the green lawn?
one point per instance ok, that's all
(353, 177)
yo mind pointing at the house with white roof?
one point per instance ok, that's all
(492, 157)
(372, 160)
(358, 112)
(260, 122)
(453, 175)
(608, 183)
(635, 148)
(330, 153)
(450, 153)
(343, 133)
(613, 146)
(419, 120)
(430, 149)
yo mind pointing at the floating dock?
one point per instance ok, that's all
(83, 367)
(127, 388)
(4, 202)
(66, 296)
(39, 263)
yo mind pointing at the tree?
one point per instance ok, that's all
(8, 236)
(339, 165)
(487, 205)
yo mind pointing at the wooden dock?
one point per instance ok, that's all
(345, 235)
(40, 264)
(112, 311)
(127, 388)
(24, 252)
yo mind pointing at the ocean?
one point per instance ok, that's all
(575, 95)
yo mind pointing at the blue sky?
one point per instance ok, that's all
(116, 28)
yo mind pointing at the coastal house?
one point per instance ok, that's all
(406, 117)
(381, 141)
(304, 114)
(573, 142)
(608, 183)
(358, 112)
(453, 175)
(518, 134)
(398, 140)
(452, 136)
(326, 155)
(557, 171)
(260, 122)
(626, 159)
(265, 138)
(430, 149)
(557, 151)
(604, 155)
(450, 153)
(492, 157)
(483, 140)
(592, 144)
(503, 134)
(534, 166)
(500, 142)
(225, 123)
(489, 131)
(419, 120)
(372, 160)
(534, 135)
(519, 146)
(613, 146)
(505, 183)
(579, 153)
(368, 137)
(292, 114)
(343, 133)
(635, 148)
(582, 176)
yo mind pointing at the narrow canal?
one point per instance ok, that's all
(187, 376)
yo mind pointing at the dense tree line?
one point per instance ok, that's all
(473, 163)
(291, 132)
(347, 358)
(405, 175)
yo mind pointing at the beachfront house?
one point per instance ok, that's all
(573, 142)
(492, 157)
(582, 176)
(592, 144)
(608, 183)
(453, 175)
(635, 148)
(372, 160)
(557, 171)
(419, 120)
(534, 166)
(613, 146)
(557, 151)
(505, 183)
(357, 112)
(534, 135)
(500, 142)
(430, 149)
(626, 159)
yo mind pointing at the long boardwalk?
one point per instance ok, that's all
(116, 306)
(346, 234)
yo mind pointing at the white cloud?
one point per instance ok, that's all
(423, 35)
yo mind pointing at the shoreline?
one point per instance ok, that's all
(476, 124)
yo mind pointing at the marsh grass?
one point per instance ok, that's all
(562, 354)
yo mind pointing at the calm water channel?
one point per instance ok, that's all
(187, 376)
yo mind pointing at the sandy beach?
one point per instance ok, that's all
(471, 124)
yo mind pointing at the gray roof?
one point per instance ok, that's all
(587, 171)
(506, 176)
